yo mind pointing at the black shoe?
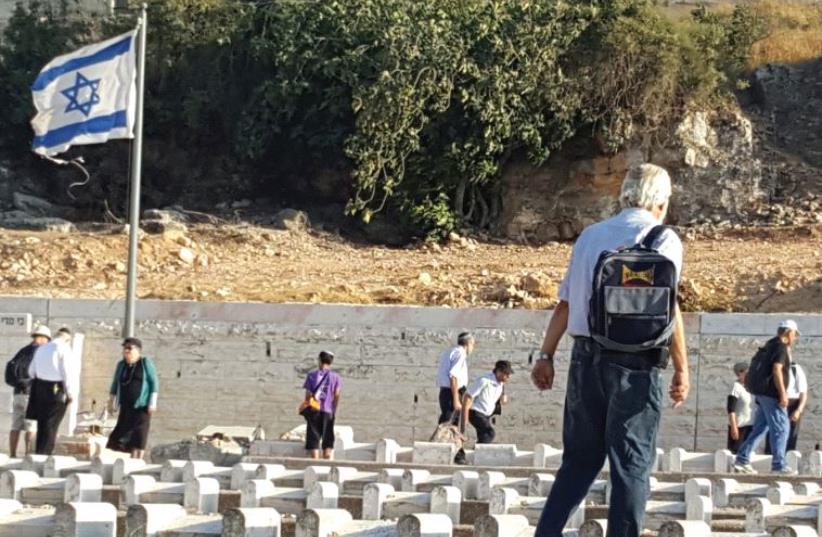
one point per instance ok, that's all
(459, 458)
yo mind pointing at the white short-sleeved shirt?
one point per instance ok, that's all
(798, 382)
(621, 231)
(744, 405)
(453, 363)
(485, 392)
(55, 362)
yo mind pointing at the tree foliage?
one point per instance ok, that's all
(422, 101)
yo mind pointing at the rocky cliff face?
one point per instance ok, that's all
(758, 162)
(716, 173)
(710, 156)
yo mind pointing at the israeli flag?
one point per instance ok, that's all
(86, 97)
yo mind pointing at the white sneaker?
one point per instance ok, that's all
(787, 470)
(744, 469)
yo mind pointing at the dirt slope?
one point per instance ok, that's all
(763, 269)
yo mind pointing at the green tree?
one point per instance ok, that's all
(33, 36)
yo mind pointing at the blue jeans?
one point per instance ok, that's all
(610, 411)
(770, 419)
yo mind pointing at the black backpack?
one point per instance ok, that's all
(634, 298)
(759, 379)
(17, 369)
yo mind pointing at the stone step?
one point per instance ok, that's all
(67, 520)
(381, 501)
(761, 515)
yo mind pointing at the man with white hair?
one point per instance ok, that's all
(613, 399)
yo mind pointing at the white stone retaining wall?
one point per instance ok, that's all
(243, 364)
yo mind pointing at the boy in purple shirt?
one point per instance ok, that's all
(323, 385)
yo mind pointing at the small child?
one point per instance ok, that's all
(740, 409)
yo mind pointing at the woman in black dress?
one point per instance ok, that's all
(134, 390)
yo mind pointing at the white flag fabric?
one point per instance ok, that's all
(86, 97)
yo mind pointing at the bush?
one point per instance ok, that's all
(33, 36)
(424, 102)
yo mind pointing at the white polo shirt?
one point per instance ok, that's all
(798, 382)
(621, 231)
(453, 363)
(485, 392)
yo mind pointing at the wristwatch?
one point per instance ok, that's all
(545, 356)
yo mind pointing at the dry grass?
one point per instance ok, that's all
(794, 29)
(790, 46)
(791, 15)
(795, 33)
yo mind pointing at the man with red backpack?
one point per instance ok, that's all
(618, 302)
(17, 376)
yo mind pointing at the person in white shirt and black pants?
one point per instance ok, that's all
(481, 398)
(52, 389)
(452, 376)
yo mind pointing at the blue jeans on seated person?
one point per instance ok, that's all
(770, 419)
(610, 411)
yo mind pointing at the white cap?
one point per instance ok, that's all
(41, 330)
(790, 324)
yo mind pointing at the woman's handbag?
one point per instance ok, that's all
(312, 404)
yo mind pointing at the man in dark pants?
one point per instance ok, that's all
(452, 376)
(17, 375)
(52, 389)
(613, 400)
(481, 398)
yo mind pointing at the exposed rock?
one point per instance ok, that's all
(35, 223)
(36, 206)
(715, 173)
(291, 219)
(31, 204)
(710, 157)
(539, 285)
(424, 278)
(790, 95)
(186, 256)
(557, 200)
(165, 215)
(102, 228)
(170, 229)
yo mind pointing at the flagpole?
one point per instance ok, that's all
(136, 170)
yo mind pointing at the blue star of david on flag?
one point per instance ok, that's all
(85, 89)
(86, 97)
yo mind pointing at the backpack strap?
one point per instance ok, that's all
(653, 235)
(659, 342)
